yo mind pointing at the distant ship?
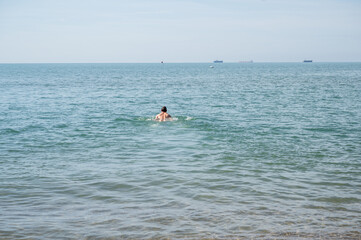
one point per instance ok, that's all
(307, 61)
(218, 61)
(250, 61)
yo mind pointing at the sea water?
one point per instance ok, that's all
(262, 150)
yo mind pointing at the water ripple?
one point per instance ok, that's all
(263, 151)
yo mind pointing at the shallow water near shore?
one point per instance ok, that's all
(262, 150)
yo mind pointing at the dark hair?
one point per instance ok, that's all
(164, 109)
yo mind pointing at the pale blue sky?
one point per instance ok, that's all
(179, 30)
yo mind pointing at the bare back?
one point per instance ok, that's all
(163, 116)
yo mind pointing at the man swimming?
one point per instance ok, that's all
(163, 116)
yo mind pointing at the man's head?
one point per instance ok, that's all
(164, 109)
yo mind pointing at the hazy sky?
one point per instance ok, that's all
(179, 30)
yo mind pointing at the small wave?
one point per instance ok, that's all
(9, 131)
(29, 128)
(187, 118)
(152, 118)
(122, 119)
(61, 125)
(33, 128)
(174, 119)
(144, 119)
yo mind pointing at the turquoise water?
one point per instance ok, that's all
(262, 150)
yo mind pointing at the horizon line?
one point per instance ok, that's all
(163, 62)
